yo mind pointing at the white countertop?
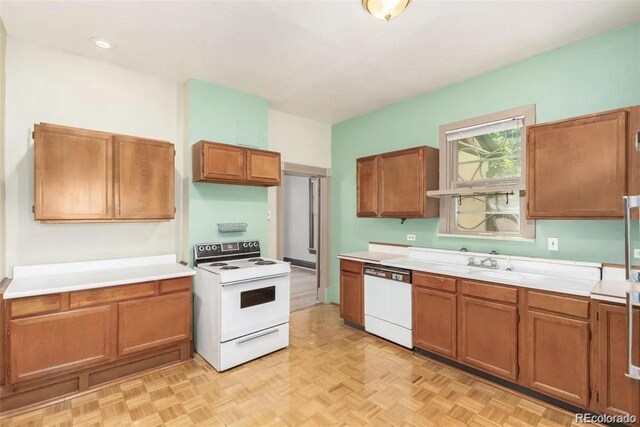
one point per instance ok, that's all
(614, 290)
(613, 287)
(46, 279)
(525, 280)
(369, 256)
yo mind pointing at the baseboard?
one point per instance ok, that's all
(300, 263)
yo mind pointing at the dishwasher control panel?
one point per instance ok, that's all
(389, 273)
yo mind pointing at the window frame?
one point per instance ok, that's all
(448, 165)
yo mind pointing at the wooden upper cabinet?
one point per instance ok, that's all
(367, 186)
(42, 346)
(263, 167)
(232, 164)
(577, 168)
(73, 174)
(223, 162)
(633, 151)
(144, 179)
(89, 176)
(618, 395)
(394, 184)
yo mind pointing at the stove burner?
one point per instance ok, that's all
(265, 262)
(255, 259)
(218, 264)
(229, 267)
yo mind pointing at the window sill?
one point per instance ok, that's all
(471, 236)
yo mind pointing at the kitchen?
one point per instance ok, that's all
(471, 251)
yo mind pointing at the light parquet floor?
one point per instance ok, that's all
(304, 288)
(330, 375)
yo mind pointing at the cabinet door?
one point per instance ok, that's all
(351, 297)
(402, 192)
(224, 162)
(73, 174)
(576, 168)
(263, 167)
(367, 186)
(434, 321)
(557, 352)
(153, 322)
(618, 394)
(488, 336)
(42, 346)
(144, 179)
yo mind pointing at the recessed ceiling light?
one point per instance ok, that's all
(102, 43)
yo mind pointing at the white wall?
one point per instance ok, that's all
(47, 85)
(296, 228)
(3, 42)
(301, 141)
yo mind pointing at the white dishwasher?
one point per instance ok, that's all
(387, 303)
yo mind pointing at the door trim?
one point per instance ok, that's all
(324, 221)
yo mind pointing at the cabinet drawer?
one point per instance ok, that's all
(571, 306)
(351, 266)
(489, 291)
(175, 285)
(37, 305)
(111, 294)
(441, 283)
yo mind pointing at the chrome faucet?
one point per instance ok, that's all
(493, 263)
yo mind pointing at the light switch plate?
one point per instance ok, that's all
(636, 253)
(269, 215)
(411, 237)
(552, 243)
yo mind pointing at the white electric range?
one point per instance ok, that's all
(241, 303)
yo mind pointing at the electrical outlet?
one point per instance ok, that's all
(411, 237)
(636, 253)
(269, 215)
(552, 243)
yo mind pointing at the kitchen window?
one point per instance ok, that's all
(483, 175)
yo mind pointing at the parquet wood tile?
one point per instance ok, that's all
(330, 375)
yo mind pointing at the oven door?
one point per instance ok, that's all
(250, 306)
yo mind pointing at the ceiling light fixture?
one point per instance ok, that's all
(385, 9)
(102, 43)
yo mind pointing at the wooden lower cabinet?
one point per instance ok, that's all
(488, 336)
(617, 394)
(557, 353)
(352, 291)
(69, 342)
(434, 321)
(50, 344)
(153, 322)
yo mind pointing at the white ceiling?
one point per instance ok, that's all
(327, 60)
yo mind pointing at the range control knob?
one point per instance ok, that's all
(214, 247)
(201, 248)
(244, 245)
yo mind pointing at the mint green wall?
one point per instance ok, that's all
(223, 115)
(593, 75)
